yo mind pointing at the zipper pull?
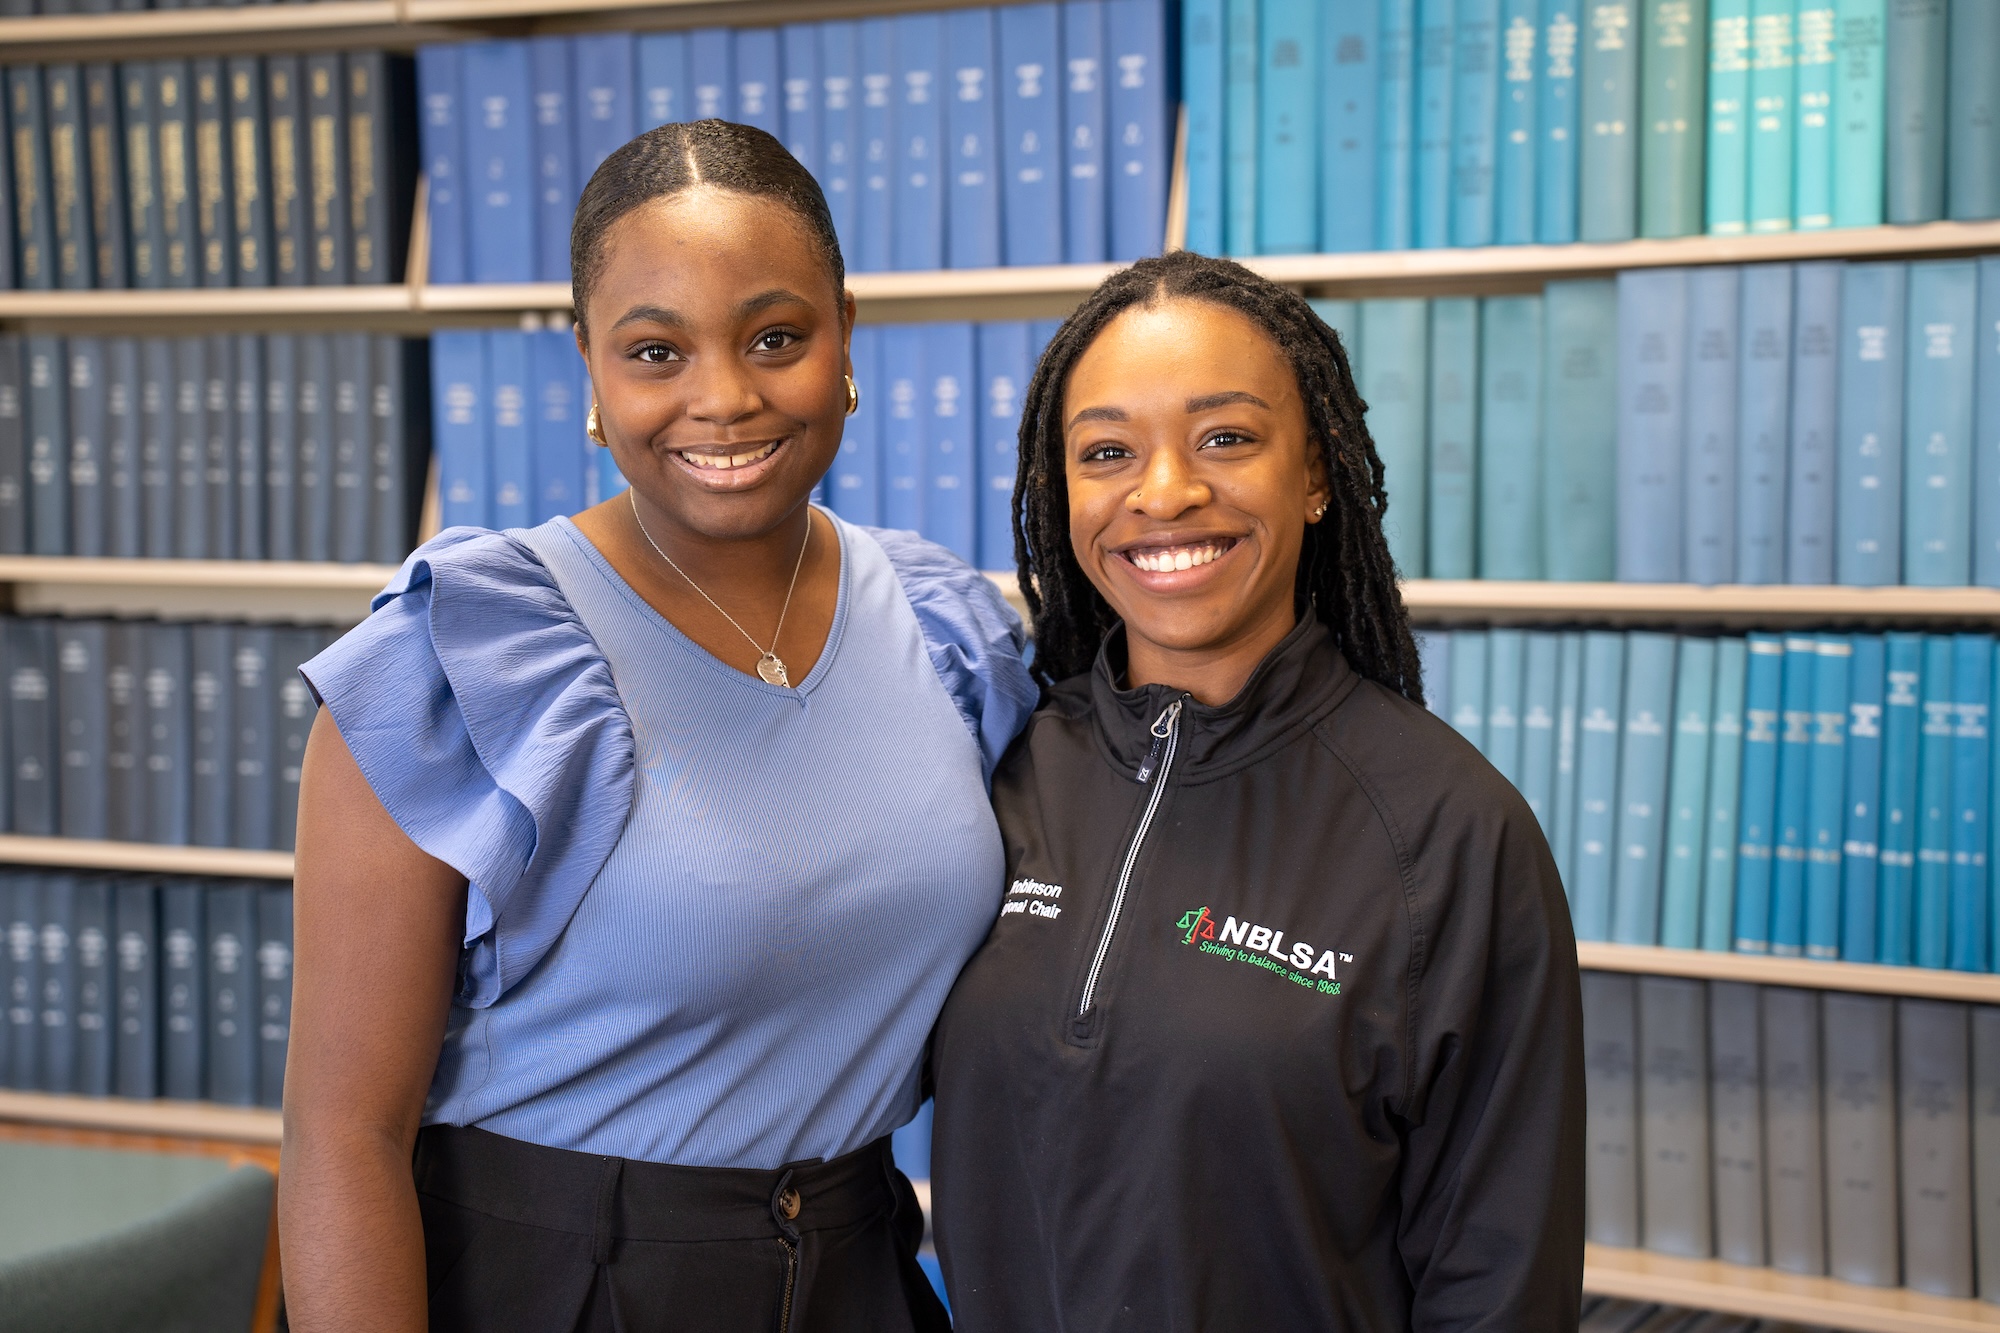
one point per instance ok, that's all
(1163, 727)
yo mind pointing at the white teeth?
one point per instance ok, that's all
(1175, 558)
(728, 462)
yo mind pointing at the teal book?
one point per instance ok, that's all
(1902, 738)
(1937, 424)
(1349, 130)
(1510, 433)
(1931, 905)
(1239, 128)
(1727, 198)
(1771, 115)
(1986, 432)
(1396, 128)
(1468, 685)
(1603, 707)
(1203, 80)
(1454, 438)
(1914, 89)
(1541, 690)
(1858, 111)
(1971, 770)
(1288, 116)
(1608, 189)
(1394, 382)
(1860, 849)
(1814, 24)
(1725, 777)
(1475, 113)
(1652, 403)
(1757, 814)
(1827, 798)
(1344, 318)
(1764, 428)
(1972, 135)
(1435, 81)
(1514, 141)
(1569, 712)
(1687, 794)
(1556, 126)
(1506, 665)
(1788, 848)
(1643, 771)
(1580, 429)
(1670, 116)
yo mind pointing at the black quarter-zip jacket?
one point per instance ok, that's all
(1279, 1026)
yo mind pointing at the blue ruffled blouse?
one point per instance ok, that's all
(710, 921)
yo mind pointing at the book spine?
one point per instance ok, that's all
(510, 434)
(1611, 1095)
(1396, 130)
(1861, 1231)
(351, 462)
(1725, 785)
(1475, 110)
(247, 445)
(798, 109)
(1435, 77)
(91, 950)
(121, 448)
(165, 750)
(1763, 441)
(441, 134)
(280, 474)
(312, 468)
(712, 67)
(1915, 79)
(1454, 439)
(183, 999)
(57, 941)
(500, 220)
(1642, 787)
(1579, 430)
(1509, 523)
(904, 354)
(1557, 127)
(82, 714)
(274, 992)
(605, 112)
(213, 214)
(460, 426)
(1670, 106)
(125, 730)
(249, 173)
(1971, 763)
(291, 227)
(1937, 423)
(855, 480)
(1086, 211)
(875, 215)
(252, 708)
(188, 492)
(1794, 805)
(104, 151)
(972, 176)
(296, 709)
(1005, 362)
(948, 463)
(1985, 1108)
(665, 97)
(1815, 24)
(840, 144)
(1934, 1124)
(329, 195)
(218, 454)
(1031, 197)
(1794, 1161)
(211, 755)
(1763, 694)
(1393, 380)
(141, 193)
(1859, 128)
(1514, 136)
(1861, 828)
(33, 734)
(1652, 344)
(1931, 910)
(1815, 391)
(1289, 90)
(1869, 464)
(1203, 79)
(380, 164)
(48, 446)
(1434, 661)
(1771, 115)
(1350, 65)
(1827, 795)
(1241, 190)
(1902, 735)
(754, 65)
(1687, 794)
(1142, 126)
(1603, 706)
(1541, 687)
(1674, 1185)
(1986, 429)
(68, 176)
(1715, 308)
(13, 448)
(1608, 195)
(1727, 196)
(88, 426)
(232, 1031)
(1467, 712)
(1506, 663)
(1736, 1127)
(20, 895)
(558, 439)
(137, 1044)
(34, 227)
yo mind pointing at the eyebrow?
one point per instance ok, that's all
(649, 314)
(1214, 400)
(765, 300)
(1099, 414)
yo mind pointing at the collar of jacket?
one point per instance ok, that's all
(1299, 682)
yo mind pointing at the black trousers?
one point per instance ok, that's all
(528, 1239)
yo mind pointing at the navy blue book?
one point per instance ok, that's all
(249, 172)
(838, 162)
(291, 185)
(209, 752)
(388, 433)
(916, 152)
(253, 712)
(141, 196)
(757, 76)
(34, 230)
(23, 903)
(606, 107)
(905, 418)
(379, 179)
(499, 148)
(1141, 125)
(1031, 196)
(281, 531)
(512, 437)
(104, 151)
(13, 448)
(799, 94)
(137, 1046)
(1086, 220)
(166, 750)
(312, 469)
(48, 447)
(1350, 68)
(274, 992)
(246, 446)
(218, 452)
(289, 649)
(950, 456)
(971, 160)
(57, 1000)
(31, 727)
(329, 262)
(88, 424)
(190, 441)
(96, 987)
(441, 134)
(81, 715)
(559, 440)
(183, 1002)
(123, 424)
(125, 729)
(215, 264)
(875, 201)
(231, 918)
(174, 160)
(854, 483)
(352, 455)
(1763, 439)
(712, 66)
(1005, 363)
(68, 176)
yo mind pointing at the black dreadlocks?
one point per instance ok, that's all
(1344, 567)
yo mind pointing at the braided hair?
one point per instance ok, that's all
(1345, 569)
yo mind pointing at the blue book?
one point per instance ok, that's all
(1972, 140)
(1556, 126)
(1715, 308)
(1031, 121)
(905, 419)
(82, 712)
(1239, 126)
(1514, 139)
(1902, 735)
(88, 423)
(1725, 787)
(33, 732)
(1086, 201)
(459, 426)
(20, 896)
(556, 136)
(157, 427)
(389, 525)
(330, 162)
(1757, 797)
(1393, 381)
(166, 750)
(1005, 363)
(973, 206)
(1826, 802)
(1475, 113)
(1930, 910)
(122, 441)
(510, 429)
(1763, 438)
(757, 80)
(353, 450)
(173, 106)
(1986, 430)
(1141, 142)
(1794, 804)
(839, 158)
(1603, 703)
(274, 992)
(1608, 157)
(95, 988)
(1687, 794)
(313, 469)
(664, 94)
(250, 172)
(712, 72)
(281, 529)
(499, 157)
(136, 1044)
(854, 486)
(1289, 92)
(291, 176)
(1436, 80)
(559, 441)
(1937, 424)
(1510, 435)
(1642, 787)
(253, 717)
(1396, 128)
(69, 170)
(140, 187)
(1580, 429)
(1541, 689)
(57, 1043)
(1862, 829)
(1869, 466)
(1350, 67)
(211, 794)
(1915, 97)
(248, 445)
(875, 200)
(950, 463)
(34, 228)
(1809, 509)
(182, 946)
(1454, 438)
(1859, 125)
(1771, 120)
(1202, 79)
(1468, 685)
(48, 446)
(1971, 772)
(1434, 661)
(232, 1031)
(1569, 713)
(1652, 345)
(1815, 25)
(1726, 200)
(1506, 665)
(799, 99)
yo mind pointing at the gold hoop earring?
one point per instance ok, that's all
(593, 426)
(853, 396)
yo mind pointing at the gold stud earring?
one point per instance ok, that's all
(853, 396)
(1320, 512)
(593, 425)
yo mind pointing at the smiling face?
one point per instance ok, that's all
(1191, 480)
(717, 350)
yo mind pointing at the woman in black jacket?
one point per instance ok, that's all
(1279, 1025)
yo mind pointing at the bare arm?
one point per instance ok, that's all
(378, 926)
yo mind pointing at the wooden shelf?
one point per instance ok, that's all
(1765, 1293)
(186, 1120)
(143, 857)
(298, 591)
(1928, 983)
(1445, 600)
(287, 575)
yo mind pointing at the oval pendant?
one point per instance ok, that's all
(773, 671)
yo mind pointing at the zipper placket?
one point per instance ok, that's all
(791, 1285)
(1166, 732)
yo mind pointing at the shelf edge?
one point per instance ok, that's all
(143, 857)
(182, 1120)
(1926, 983)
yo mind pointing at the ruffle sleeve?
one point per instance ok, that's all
(486, 720)
(975, 640)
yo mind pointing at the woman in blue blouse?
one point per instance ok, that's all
(637, 853)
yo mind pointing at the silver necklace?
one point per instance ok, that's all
(770, 667)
